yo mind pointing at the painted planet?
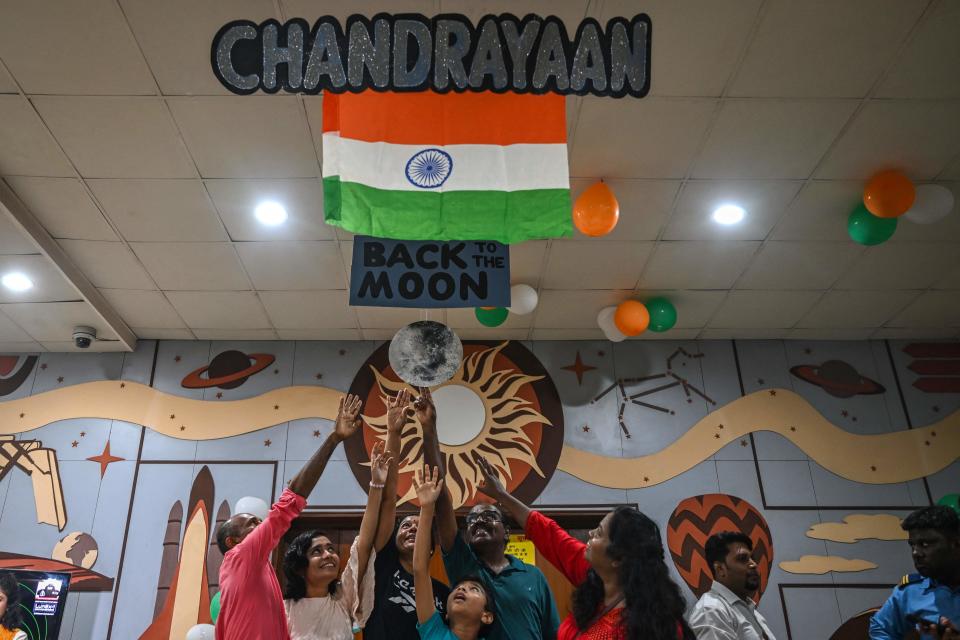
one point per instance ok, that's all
(837, 378)
(77, 548)
(696, 519)
(227, 370)
(425, 353)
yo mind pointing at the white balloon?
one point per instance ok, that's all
(608, 326)
(523, 299)
(200, 632)
(255, 506)
(932, 204)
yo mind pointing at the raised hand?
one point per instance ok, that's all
(428, 485)
(425, 410)
(491, 480)
(379, 464)
(348, 417)
(398, 411)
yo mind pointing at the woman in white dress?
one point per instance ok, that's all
(319, 604)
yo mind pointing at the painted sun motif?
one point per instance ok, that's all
(481, 409)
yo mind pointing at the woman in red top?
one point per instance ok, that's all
(623, 589)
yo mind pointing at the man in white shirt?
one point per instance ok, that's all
(727, 611)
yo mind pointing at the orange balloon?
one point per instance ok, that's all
(488, 308)
(596, 211)
(889, 194)
(631, 318)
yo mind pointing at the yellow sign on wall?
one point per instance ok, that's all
(522, 548)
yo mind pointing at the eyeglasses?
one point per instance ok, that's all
(486, 516)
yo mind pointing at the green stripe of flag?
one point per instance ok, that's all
(504, 216)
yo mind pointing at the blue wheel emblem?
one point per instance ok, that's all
(429, 168)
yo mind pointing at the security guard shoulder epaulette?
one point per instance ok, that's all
(910, 578)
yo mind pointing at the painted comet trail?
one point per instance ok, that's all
(874, 459)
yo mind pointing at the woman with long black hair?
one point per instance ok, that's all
(623, 588)
(10, 608)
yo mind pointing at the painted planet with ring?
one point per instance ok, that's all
(227, 370)
(838, 378)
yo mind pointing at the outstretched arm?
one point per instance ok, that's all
(379, 465)
(429, 486)
(346, 425)
(427, 415)
(398, 413)
(495, 489)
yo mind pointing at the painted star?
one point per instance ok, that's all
(276, 407)
(808, 351)
(343, 352)
(717, 436)
(219, 394)
(182, 428)
(176, 358)
(104, 459)
(936, 409)
(83, 434)
(759, 380)
(316, 433)
(267, 442)
(59, 378)
(319, 376)
(74, 444)
(844, 413)
(773, 392)
(743, 443)
(579, 368)
(43, 367)
(586, 428)
(276, 371)
(123, 384)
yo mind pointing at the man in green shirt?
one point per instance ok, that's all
(524, 602)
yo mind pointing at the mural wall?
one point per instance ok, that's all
(118, 467)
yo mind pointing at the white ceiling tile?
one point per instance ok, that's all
(921, 333)
(823, 48)
(159, 210)
(288, 266)
(830, 334)
(309, 310)
(219, 309)
(771, 138)
(926, 68)
(952, 172)
(466, 318)
(672, 334)
(49, 285)
(595, 265)
(22, 347)
(644, 207)
(855, 309)
(378, 334)
(162, 334)
(820, 212)
(303, 200)
(181, 64)
(743, 334)
(763, 309)
(918, 137)
(694, 308)
(901, 266)
(526, 261)
(68, 346)
(313, 105)
(247, 136)
(87, 49)
(143, 308)
(10, 332)
(109, 265)
(7, 85)
(235, 334)
(311, 11)
(931, 309)
(54, 321)
(946, 230)
(387, 318)
(116, 137)
(695, 43)
(568, 334)
(192, 266)
(763, 200)
(319, 334)
(26, 148)
(663, 134)
(63, 207)
(13, 240)
(799, 265)
(575, 309)
(697, 265)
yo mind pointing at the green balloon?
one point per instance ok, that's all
(492, 317)
(215, 607)
(951, 500)
(663, 315)
(866, 228)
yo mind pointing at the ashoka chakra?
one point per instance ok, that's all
(429, 168)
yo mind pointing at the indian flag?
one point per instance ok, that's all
(452, 166)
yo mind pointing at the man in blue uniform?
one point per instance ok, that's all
(930, 599)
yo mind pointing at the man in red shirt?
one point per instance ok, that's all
(251, 604)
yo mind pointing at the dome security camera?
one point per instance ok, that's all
(83, 337)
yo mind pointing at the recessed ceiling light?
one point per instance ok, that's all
(16, 281)
(270, 213)
(729, 214)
